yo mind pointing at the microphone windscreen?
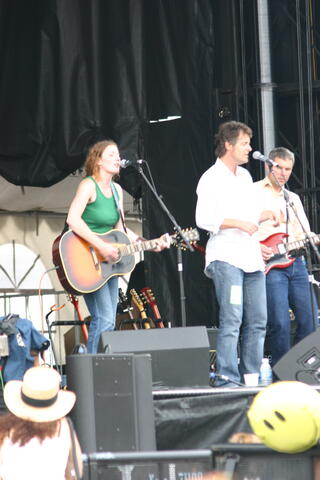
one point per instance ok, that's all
(257, 155)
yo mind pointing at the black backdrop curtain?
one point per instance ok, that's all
(178, 152)
(74, 72)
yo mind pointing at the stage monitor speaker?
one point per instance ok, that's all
(302, 362)
(180, 356)
(114, 407)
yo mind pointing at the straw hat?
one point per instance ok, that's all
(38, 397)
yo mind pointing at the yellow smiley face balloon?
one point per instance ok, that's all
(286, 416)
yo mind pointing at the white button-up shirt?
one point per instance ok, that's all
(221, 195)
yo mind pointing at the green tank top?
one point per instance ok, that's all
(102, 214)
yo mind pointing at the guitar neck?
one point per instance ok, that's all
(155, 310)
(75, 303)
(142, 313)
(136, 247)
(138, 302)
(301, 243)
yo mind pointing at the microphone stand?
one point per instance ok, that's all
(309, 243)
(177, 229)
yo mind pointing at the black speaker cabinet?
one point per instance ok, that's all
(302, 362)
(180, 356)
(114, 407)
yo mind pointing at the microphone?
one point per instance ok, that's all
(262, 158)
(127, 163)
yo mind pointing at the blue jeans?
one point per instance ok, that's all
(289, 288)
(102, 306)
(242, 301)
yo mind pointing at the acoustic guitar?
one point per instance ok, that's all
(281, 250)
(80, 267)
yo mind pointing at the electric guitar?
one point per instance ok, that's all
(139, 303)
(80, 267)
(281, 250)
(149, 298)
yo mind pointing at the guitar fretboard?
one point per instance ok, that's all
(297, 244)
(135, 247)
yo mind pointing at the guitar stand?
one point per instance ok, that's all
(141, 322)
(147, 321)
(59, 323)
(158, 321)
(128, 321)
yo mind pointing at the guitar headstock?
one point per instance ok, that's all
(190, 234)
(137, 300)
(148, 296)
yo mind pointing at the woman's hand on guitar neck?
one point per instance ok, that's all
(162, 243)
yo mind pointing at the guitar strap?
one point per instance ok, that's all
(286, 198)
(117, 201)
(287, 223)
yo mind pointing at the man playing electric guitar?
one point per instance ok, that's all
(287, 280)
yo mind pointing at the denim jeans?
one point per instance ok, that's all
(102, 306)
(289, 288)
(242, 301)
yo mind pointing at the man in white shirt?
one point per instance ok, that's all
(287, 279)
(227, 208)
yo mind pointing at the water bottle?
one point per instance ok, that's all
(265, 373)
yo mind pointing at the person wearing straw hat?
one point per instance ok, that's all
(37, 440)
